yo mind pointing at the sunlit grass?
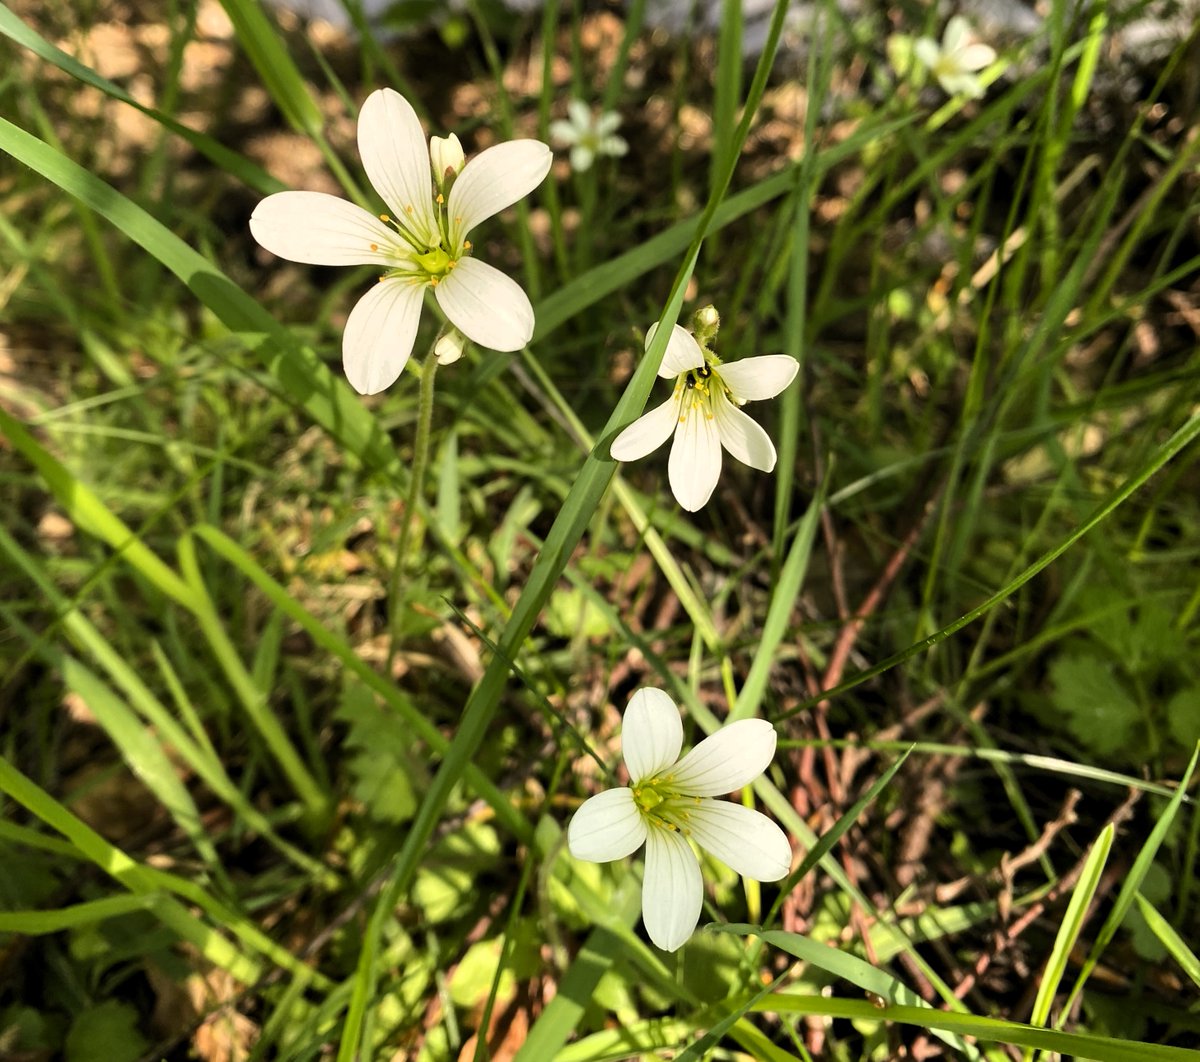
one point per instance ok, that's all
(292, 737)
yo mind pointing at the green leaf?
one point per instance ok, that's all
(382, 765)
(107, 1032)
(1100, 711)
(1183, 717)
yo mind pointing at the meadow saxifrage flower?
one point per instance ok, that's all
(435, 198)
(588, 137)
(704, 414)
(669, 803)
(956, 62)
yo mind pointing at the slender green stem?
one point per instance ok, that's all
(416, 483)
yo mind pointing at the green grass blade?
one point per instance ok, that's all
(1170, 939)
(1072, 924)
(784, 594)
(995, 1030)
(1129, 886)
(282, 79)
(858, 972)
(36, 923)
(834, 834)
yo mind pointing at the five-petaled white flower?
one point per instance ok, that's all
(588, 137)
(668, 803)
(956, 61)
(421, 243)
(703, 414)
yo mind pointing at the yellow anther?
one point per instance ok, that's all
(374, 247)
(440, 198)
(466, 245)
(433, 282)
(408, 209)
(384, 217)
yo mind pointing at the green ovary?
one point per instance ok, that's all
(435, 263)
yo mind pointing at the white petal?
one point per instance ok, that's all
(615, 146)
(958, 32)
(607, 826)
(563, 133)
(607, 124)
(682, 353)
(927, 51)
(976, 57)
(320, 229)
(742, 436)
(961, 85)
(753, 379)
(647, 433)
(392, 146)
(379, 335)
(672, 892)
(485, 305)
(582, 158)
(695, 463)
(727, 760)
(580, 114)
(494, 179)
(651, 735)
(744, 840)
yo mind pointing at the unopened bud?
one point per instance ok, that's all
(705, 322)
(447, 156)
(449, 347)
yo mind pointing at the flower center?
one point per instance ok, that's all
(696, 388)
(661, 806)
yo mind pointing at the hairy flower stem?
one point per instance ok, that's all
(416, 484)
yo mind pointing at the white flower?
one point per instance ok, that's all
(703, 415)
(668, 803)
(586, 137)
(422, 243)
(955, 61)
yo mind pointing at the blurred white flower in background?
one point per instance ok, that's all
(421, 243)
(588, 136)
(956, 62)
(668, 804)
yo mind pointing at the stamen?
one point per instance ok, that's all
(408, 209)
(374, 247)
(384, 217)
(466, 245)
(439, 199)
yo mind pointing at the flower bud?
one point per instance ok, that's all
(449, 347)
(705, 323)
(446, 153)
